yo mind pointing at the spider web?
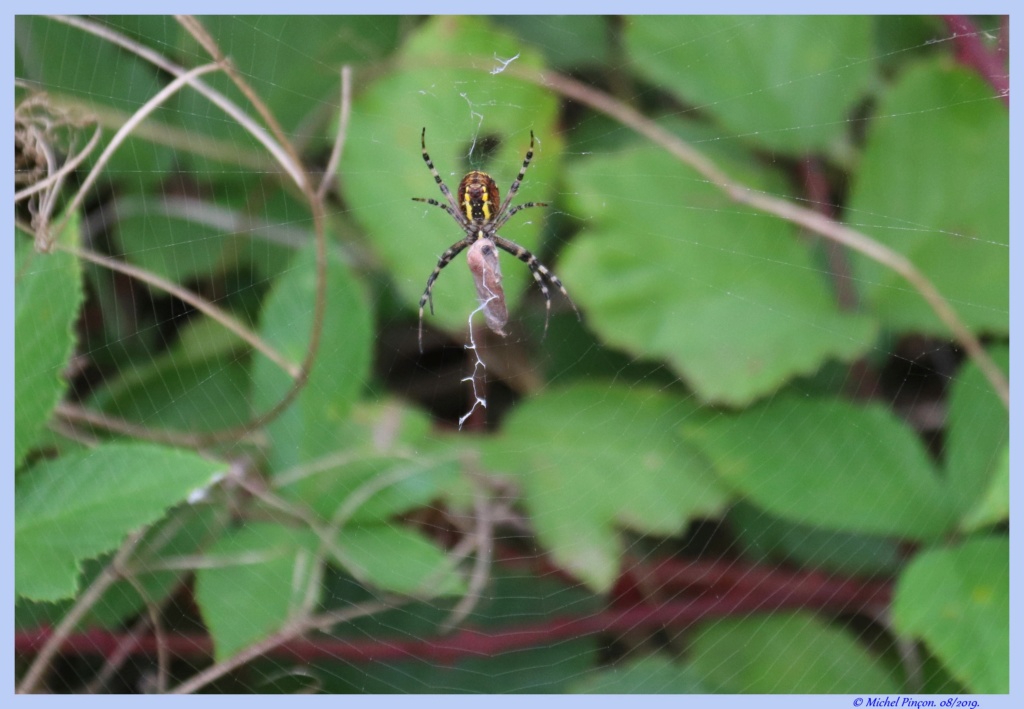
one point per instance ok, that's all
(611, 507)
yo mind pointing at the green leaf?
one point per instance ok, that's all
(387, 463)
(201, 384)
(260, 577)
(766, 538)
(786, 653)
(47, 295)
(994, 506)
(184, 395)
(593, 457)
(308, 427)
(30, 615)
(902, 38)
(935, 678)
(831, 464)
(977, 433)
(185, 532)
(786, 83)
(668, 267)
(82, 505)
(958, 601)
(950, 214)
(649, 675)
(463, 114)
(397, 559)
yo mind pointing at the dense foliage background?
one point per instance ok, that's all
(766, 460)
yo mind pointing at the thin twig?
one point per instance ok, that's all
(328, 533)
(163, 660)
(299, 512)
(769, 204)
(383, 439)
(120, 654)
(292, 631)
(79, 414)
(106, 578)
(287, 158)
(71, 433)
(355, 500)
(483, 536)
(201, 304)
(174, 137)
(359, 497)
(339, 138)
(196, 29)
(115, 658)
(293, 168)
(199, 211)
(151, 105)
(318, 465)
(316, 207)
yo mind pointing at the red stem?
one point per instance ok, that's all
(722, 589)
(816, 187)
(972, 51)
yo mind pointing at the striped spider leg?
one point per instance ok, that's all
(478, 210)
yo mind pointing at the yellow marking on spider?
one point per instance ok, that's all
(487, 206)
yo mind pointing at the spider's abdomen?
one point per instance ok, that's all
(478, 197)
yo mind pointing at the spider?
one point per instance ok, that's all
(475, 211)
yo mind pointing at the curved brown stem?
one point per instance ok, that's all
(110, 574)
(806, 218)
(285, 154)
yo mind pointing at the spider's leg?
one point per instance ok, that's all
(508, 215)
(540, 272)
(428, 296)
(519, 178)
(429, 200)
(454, 211)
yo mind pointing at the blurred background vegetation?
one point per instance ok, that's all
(771, 458)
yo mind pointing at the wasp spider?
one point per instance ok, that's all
(479, 212)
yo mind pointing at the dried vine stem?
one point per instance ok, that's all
(483, 543)
(184, 294)
(54, 179)
(38, 128)
(316, 206)
(806, 218)
(90, 418)
(283, 158)
(339, 142)
(199, 303)
(163, 657)
(116, 659)
(282, 150)
(140, 115)
(110, 574)
(292, 631)
(172, 136)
